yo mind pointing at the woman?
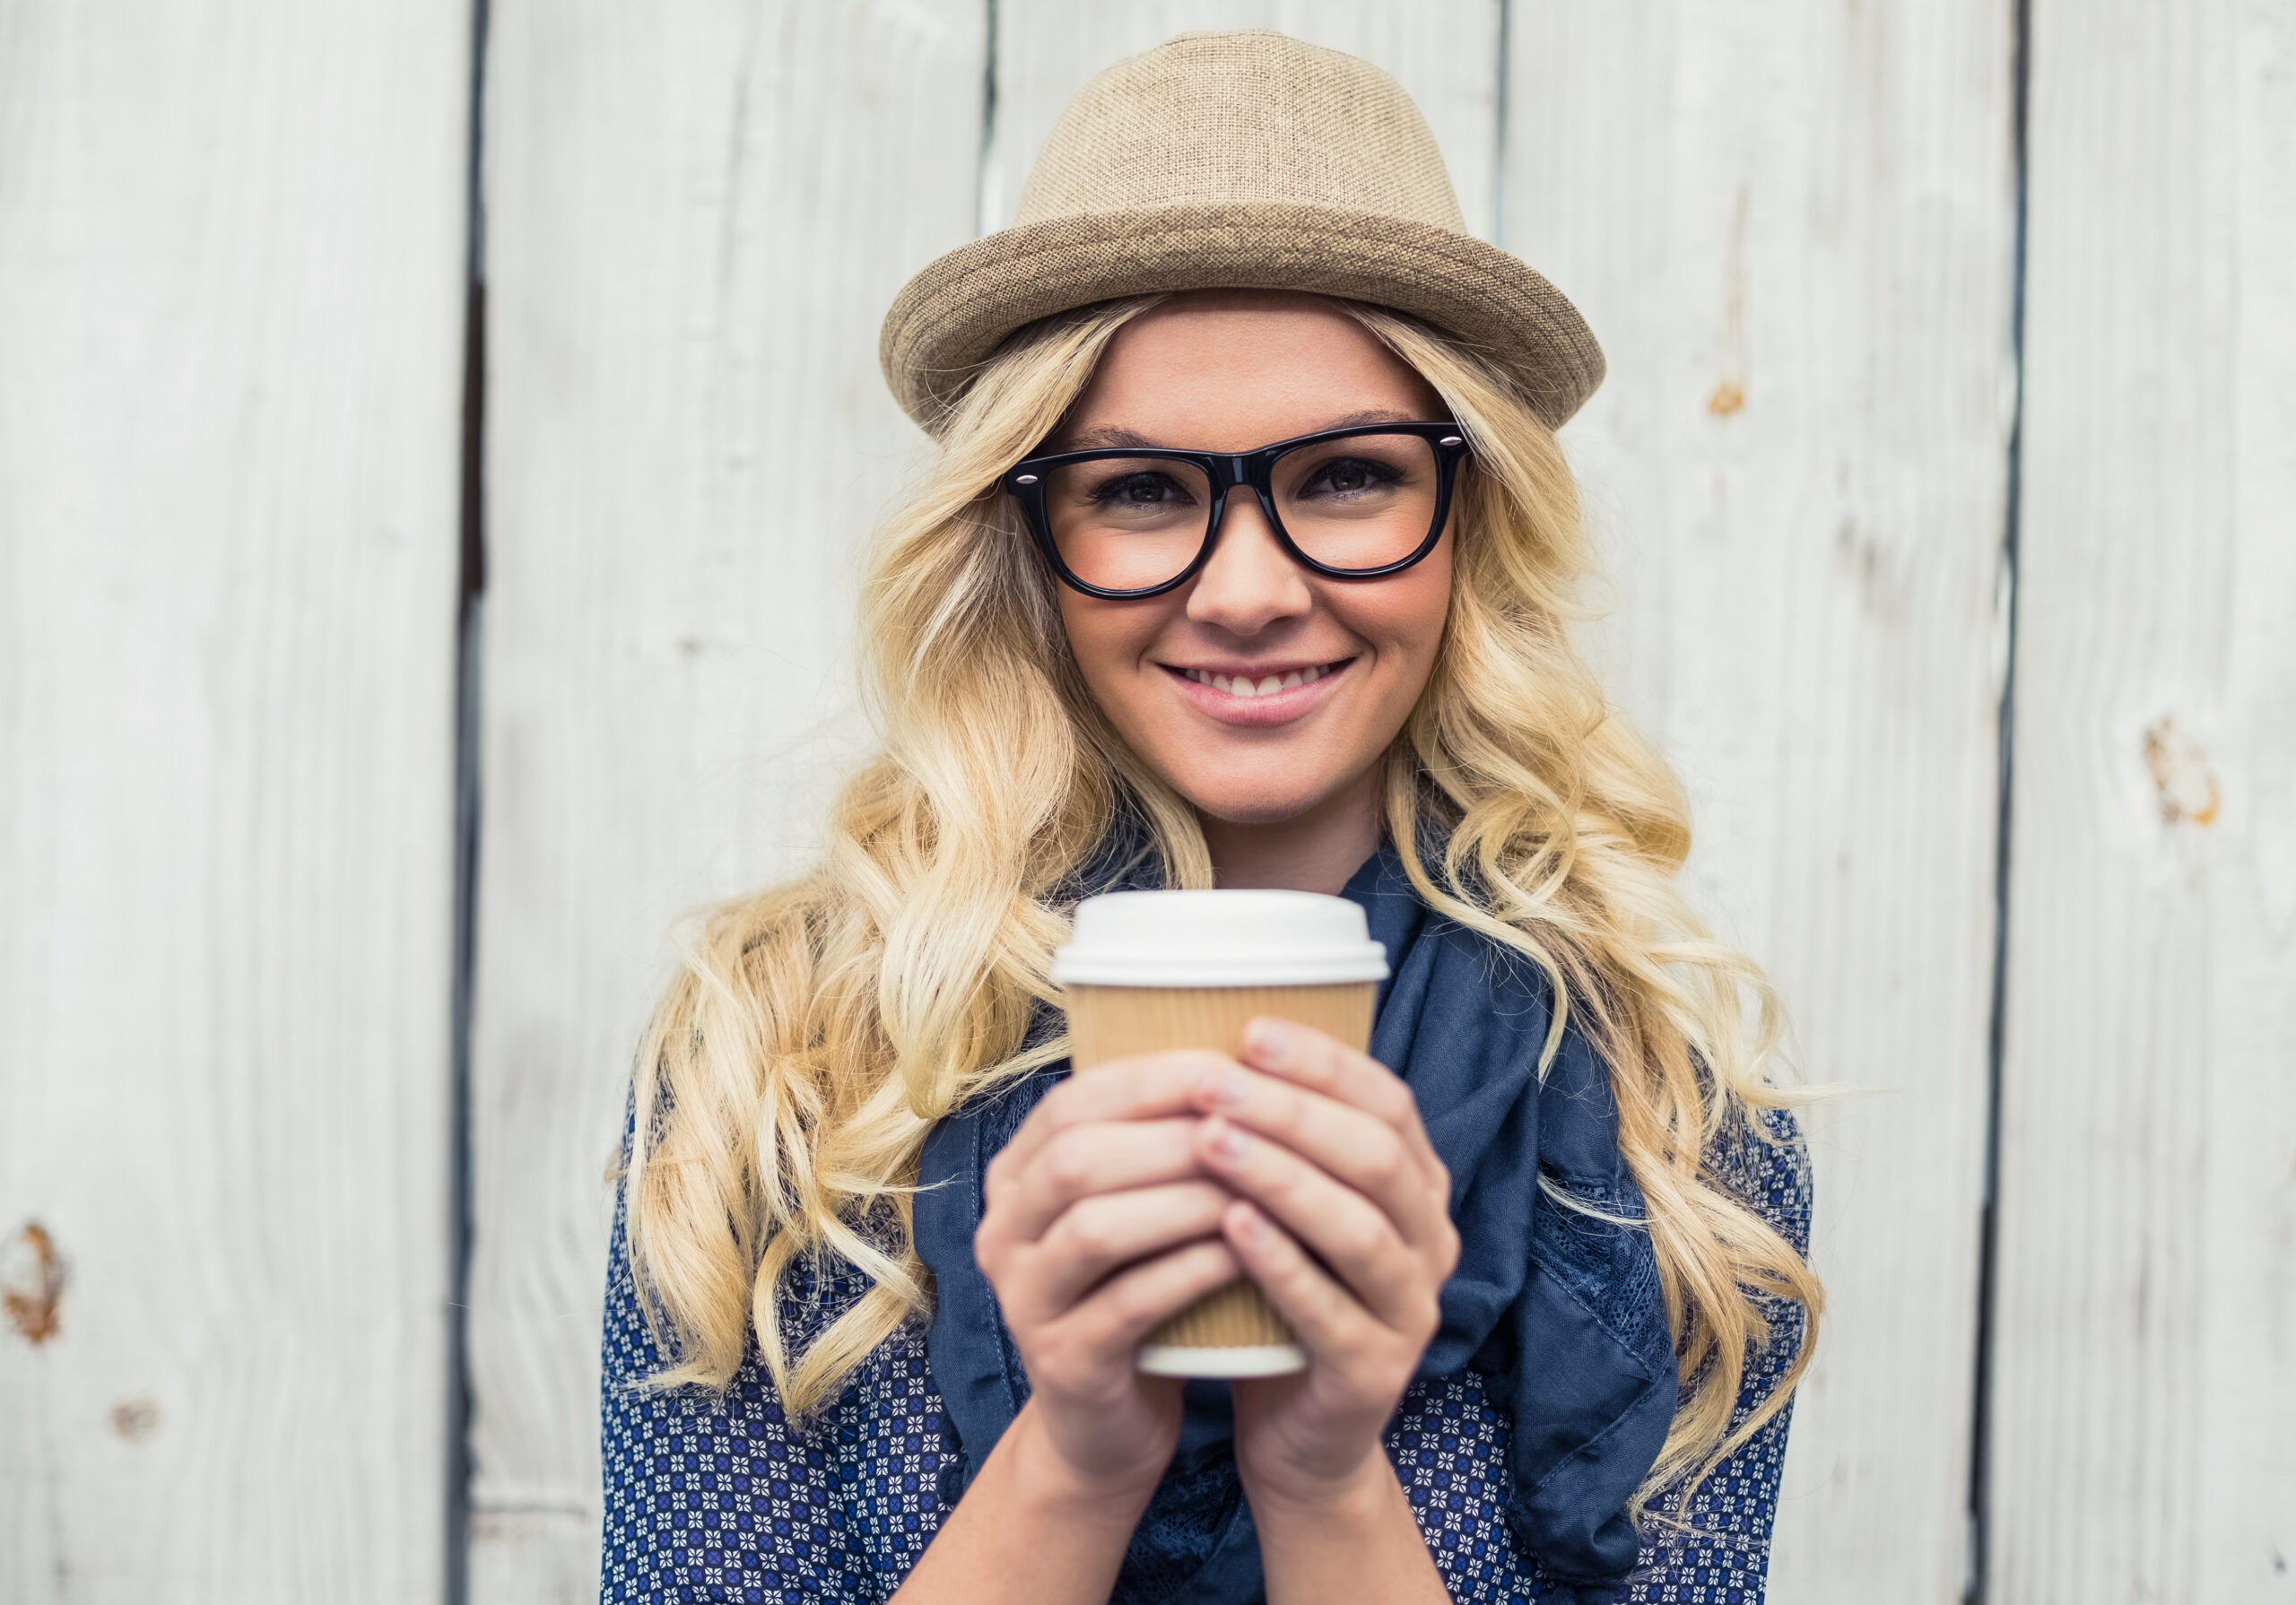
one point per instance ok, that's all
(1246, 561)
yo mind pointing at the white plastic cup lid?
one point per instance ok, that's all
(1219, 939)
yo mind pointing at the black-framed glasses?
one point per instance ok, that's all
(1352, 503)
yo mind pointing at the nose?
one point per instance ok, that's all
(1249, 582)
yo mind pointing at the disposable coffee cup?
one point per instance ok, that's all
(1147, 971)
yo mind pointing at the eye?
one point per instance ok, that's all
(1348, 477)
(1141, 489)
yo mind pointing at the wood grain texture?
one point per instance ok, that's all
(1791, 228)
(698, 214)
(231, 258)
(2145, 1440)
(1444, 52)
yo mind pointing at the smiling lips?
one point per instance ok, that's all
(1244, 685)
(1275, 698)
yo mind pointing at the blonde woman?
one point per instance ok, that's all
(1246, 561)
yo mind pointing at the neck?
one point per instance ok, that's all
(1316, 850)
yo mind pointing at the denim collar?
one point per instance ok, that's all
(1464, 1021)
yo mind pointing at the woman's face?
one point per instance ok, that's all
(1229, 371)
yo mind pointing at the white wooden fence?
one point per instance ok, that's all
(1952, 360)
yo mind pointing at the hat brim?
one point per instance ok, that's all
(951, 316)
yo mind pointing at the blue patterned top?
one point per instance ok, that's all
(723, 1497)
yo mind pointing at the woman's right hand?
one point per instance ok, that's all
(1098, 1223)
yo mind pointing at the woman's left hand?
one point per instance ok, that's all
(1324, 1149)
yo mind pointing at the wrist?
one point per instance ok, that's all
(1032, 1526)
(1351, 1492)
(1117, 1492)
(1345, 1534)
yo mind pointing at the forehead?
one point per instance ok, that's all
(1227, 370)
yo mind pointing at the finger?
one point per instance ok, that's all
(1103, 1234)
(1356, 1238)
(1108, 1156)
(1132, 1304)
(1316, 1063)
(1137, 1088)
(1329, 1320)
(1309, 1058)
(1350, 1143)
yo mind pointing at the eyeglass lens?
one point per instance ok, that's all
(1126, 523)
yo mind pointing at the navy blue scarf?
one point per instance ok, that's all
(1464, 1021)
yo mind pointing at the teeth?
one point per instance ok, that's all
(1243, 685)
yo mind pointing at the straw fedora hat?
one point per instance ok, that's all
(1236, 160)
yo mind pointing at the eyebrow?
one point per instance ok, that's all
(1113, 435)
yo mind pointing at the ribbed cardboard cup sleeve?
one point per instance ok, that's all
(1234, 1331)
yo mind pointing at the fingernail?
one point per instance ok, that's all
(1230, 1143)
(1269, 1041)
(1221, 1087)
(1249, 1223)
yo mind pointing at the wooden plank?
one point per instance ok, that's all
(1445, 52)
(231, 260)
(697, 216)
(1791, 227)
(2144, 1443)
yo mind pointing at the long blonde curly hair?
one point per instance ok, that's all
(818, 1031)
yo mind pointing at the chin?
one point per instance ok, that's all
(1244, 803)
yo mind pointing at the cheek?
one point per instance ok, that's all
(1405, 616)
(1109, 637)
